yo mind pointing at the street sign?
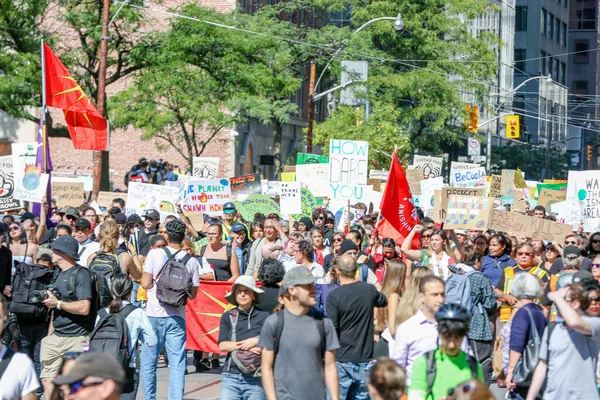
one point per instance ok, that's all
(474, 147)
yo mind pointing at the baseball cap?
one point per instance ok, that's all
(72, 211)
(120, 219)
(238, 227)
(83, 223)
(571, 251)
(347, 245)
(27, 215)
(68, 245)
(583, 277)
(229, 206)
(152, 214)
(297, 276)
(96, 364)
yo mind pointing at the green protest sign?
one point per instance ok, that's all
(308, 202)
(256, 203)
(305, 158)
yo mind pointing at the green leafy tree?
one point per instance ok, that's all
(530, 159)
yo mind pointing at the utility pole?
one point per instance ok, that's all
(101, 99)
(311, 106)
(549, 137)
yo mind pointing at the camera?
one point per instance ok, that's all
(37, 296)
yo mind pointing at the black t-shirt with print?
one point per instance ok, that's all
(67, 324)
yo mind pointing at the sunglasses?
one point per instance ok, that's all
(77, 386)
(80, 229)
(426, 236)
(594, 299)
(595, 241)
(71, 218)
(320, 218)
(229, 211)
(595, 265)
(14, 228)
(571, 243)
(338, 240)
(523, 253)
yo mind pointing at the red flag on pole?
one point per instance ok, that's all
(87, 127)
(397, 206)
(203, 316)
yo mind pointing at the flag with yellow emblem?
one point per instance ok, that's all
(87, 127)
(203, 316)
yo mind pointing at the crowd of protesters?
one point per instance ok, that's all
(318, 313)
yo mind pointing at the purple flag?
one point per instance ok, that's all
(44, 162)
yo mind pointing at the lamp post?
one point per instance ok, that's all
(312, 97)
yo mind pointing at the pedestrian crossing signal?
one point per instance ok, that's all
(513, 130)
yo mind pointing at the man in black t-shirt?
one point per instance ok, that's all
(350, 308)
(73, 314)
(151, 222)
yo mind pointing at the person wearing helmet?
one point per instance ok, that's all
(440, 370)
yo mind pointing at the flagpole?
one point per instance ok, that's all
(43, 112)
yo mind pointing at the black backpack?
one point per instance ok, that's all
(134, 171)
(174, 282)
(111, 335)
(104, 268)
(431, 369)
(29, 278)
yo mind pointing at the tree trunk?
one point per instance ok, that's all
(277, 139)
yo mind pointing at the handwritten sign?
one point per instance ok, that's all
(106, 199)
(205, 167)
(354, 193)
(348, 162)
(67, 193)
(290, 198)
(376, 183)
(379, 174)
(584, 186)
(315, 177)
(247, 184)
(7, 185)
(549, 197)
(306, 158)
(256, 203)
(414, 177)
(522, 225)
(206, 196)
(468, 178)
(428, 188)
(446, 192)
(507, 186)
(468, 212)
(30, 183)
(431, 166)
(144, 196)
(456, 165)
(495, 186)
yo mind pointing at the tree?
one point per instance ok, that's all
(416, 78)
(530, 159)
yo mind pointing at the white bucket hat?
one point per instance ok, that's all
(248, 282)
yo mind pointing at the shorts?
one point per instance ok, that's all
(54, 348)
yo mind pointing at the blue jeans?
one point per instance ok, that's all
(134, 300)
(31, 343)
(241, 387)
(352, 379)
(171, 332)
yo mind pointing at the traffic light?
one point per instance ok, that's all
(471, 124)
(589, 152)
(513, 130)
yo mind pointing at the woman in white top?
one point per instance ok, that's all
(305, 257)
(22, 249)
(138, 326)
(437, 257)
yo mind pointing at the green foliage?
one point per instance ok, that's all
(530, 159)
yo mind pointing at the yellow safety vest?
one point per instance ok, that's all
(509, 277)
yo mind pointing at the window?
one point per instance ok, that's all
(580, 88)
(543, 22)
(520, 55)
(555, 71)
(549, 63)
(543, 62)
(557, 30)
(586, 18)
(564, 35)
(582, 54)
(563, 73)
(551, 26)
(521, 19)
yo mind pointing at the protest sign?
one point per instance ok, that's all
(431, 166)
(551, 186)
(7, 185)
(308, 203)
(495, 186)
(548, 197)
(468, 212)
(348, 162)
(290, 198)
(342, 215)
(206, 167)
(270, 188)
(428, 188)
(507, 200)
(354, 193)
(559, 210)
(256, 203)
(584, 186)
(468, 178)
(442, 204)
(379, 174)
(196, 219)
(507, 186)
(414, 177)
(376, 183)
(68, 193)
(520, 179)
(521, 225)
(144, 196)
(288, 177)
(30, 183)
(520, 206)
(206, 196)
(247, 184)
(305, 158)
(438, 215)
(455, 165)
(105, 199)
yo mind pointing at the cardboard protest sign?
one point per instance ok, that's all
(414, 178)
(468, 178)
(468, 212)
(495, 186)
(144, 196)
(348, 162)
(105, 199)
(256, 203)
(376, 183)
(205, 167)
(196, 219)
(551, 186)
(522, 225)
(30, 183)
(290, 198)
(247, 184)
(441, 205)
(305, 158)
(431, 166)
(437, 206)
(584, 186)
(507, 186)
(428, 188)
(206, 196)
(520, 206)
(456, 165)
(68, 193)
(7, 185)
(548, 197)
(379, 174)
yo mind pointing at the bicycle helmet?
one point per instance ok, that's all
(452, 312)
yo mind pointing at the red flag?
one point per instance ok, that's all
(396, 205)
(386, 230)
(87, 127)
(203, 316)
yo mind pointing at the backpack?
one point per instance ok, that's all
(27, 279)
(458, 291)
(319, 318)
(104, 268)
(134, 171)
(174, 281)
(111, 335)
(431, 369)
(246, 361)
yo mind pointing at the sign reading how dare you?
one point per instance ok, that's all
(348, 162)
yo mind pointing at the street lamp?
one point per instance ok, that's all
(312, 97)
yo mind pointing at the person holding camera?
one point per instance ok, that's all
(70, 300)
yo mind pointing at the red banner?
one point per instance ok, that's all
(203, 316)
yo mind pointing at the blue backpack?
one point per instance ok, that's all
(458, 291)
